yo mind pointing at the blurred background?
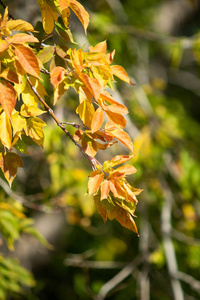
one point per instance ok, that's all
(158, 43)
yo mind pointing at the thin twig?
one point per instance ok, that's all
(168, 243)
(117, 279)
(4, 6)
(91, 160)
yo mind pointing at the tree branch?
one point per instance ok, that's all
(91, 160)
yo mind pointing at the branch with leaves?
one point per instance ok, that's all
(24, 56)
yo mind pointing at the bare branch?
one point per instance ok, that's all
(168, 243)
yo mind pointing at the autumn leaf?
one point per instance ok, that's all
(5, 130)
(116, 118)
(100, 47)
(30, 111)
(45, 54)
(86, 112)
(121, 73)
(18, 122)
(97, 120)
(19, 25)
(3, 46)
(22, 38)
(123, 137)
(8, 97)
(80, 11)
(95, 179)
(127, 169)
(9, 163)
(28, 60)
(48, 16)
(34, 129)
(10, 75)
(57, 74)
(105, 189)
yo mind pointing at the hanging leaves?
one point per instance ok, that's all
(89, 74)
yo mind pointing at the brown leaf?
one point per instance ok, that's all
(8, 97)
(9, 164)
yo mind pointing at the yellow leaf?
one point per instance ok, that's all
(9, 164)
(18, 122)
(5, 130)
(97, 120)
(3, 46)
(19, 25)
(121, 73)
(86, 112)
(48, 16)
(30, 111)
(65, 16)
(95, 179)
(89, 147)
(34, 129)
(81, 13)
(5, 18)
(28, 60)
(8, 97)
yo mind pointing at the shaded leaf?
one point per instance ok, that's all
(57, 74)
(9, 163)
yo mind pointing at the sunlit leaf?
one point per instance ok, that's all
(19, 25)
(5, 130)
(48, 16)
(30, 111)
(95, 180)
(121, 73)
(8, 97)
(28, 60)
(21, 38)
(97, 120)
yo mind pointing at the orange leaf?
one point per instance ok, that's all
(105, 189)
(101, 206)
(81, 13)
(63, 4)
(9, 164)
(57, 75)
(120, 159)
(95, 179)
(22, 38)
(89, 147)
(28, 60)
(100, 47)
(97, 120)
(8, 97)
(116, 118)
(123, 217)
(10, 75)
(92, 84)
(127, 169)
(121, 73)
(123, 137)
(114, 106)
